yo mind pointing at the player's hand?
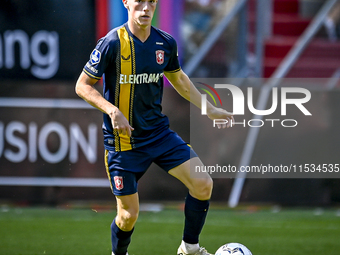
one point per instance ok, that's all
(120, 123)
(219, 113)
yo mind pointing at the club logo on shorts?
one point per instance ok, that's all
(160, 57)
(95, 57)
(119, 182)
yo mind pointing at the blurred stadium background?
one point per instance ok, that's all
(51, 149)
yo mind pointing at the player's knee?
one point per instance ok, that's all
(131, 216)
(127, 219)
(208, 187)
(203, 188)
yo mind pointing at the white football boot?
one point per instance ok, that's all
(200, 251)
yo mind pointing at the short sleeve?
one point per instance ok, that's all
(173, 64)
(99, 59)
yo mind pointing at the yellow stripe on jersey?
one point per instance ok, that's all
(91, 75)
(133, 52)
(125, 89)
(106, 161)
(173, 71)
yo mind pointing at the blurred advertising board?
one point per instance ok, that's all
(45, 39)
(57, 135)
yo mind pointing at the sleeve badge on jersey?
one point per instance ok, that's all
(160, 57)
(95, 57)
(119, 182)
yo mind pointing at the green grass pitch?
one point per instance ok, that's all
(87, 232)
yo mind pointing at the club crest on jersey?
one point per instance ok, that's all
(160, 57)
(119, 182)
(95, 57)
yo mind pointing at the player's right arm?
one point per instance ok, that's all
(86, 90)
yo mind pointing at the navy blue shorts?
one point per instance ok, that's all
(125, 168)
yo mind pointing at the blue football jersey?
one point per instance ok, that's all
(132, 74)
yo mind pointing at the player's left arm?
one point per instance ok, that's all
(183, 85)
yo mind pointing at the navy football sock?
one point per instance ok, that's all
(120, 239)
(195, 213)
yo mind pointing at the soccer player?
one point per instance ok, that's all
(132, 60)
